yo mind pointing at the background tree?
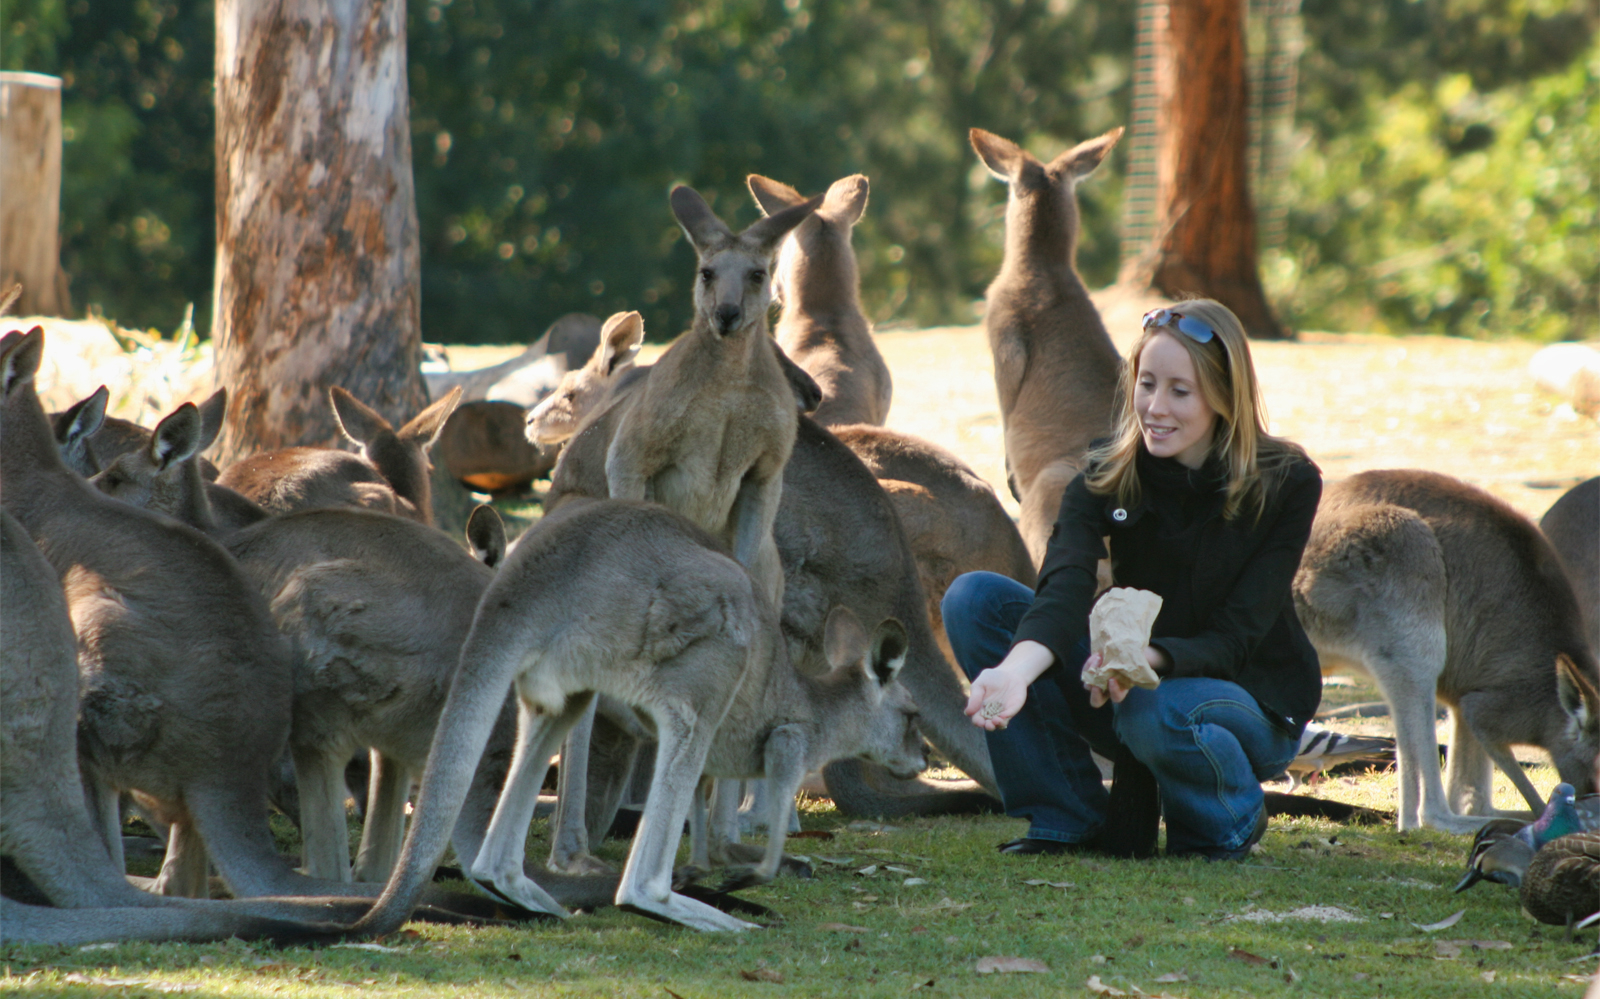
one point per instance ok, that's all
(317, 265)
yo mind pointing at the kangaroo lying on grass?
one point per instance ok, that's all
(634, 601)
(1440, 590)
(822, 326)
(389, 475)
(1054, 366)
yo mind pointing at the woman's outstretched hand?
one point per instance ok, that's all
(997, 696)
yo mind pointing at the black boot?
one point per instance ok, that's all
(1133, 815)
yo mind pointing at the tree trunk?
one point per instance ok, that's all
(1205, 230)
(30, 193)
(317, 279)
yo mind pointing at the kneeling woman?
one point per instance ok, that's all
(1203, 507)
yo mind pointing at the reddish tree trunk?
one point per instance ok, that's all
(317, 279)
(1205, 229)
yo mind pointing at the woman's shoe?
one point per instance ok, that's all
(1243, 851)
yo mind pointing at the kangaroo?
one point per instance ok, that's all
(90, 439)
(822, 326)
(44, 826)
(556, 418)
(952, 518)
(390, 474)
(1055, 369)
(1440, 590)
(1573, 526)
(635, 601)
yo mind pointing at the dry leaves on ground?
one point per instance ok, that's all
(761, 975)
(1010, 965)
(1100, 988)
(1443, 924)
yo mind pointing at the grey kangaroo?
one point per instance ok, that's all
(1055, 368)
(389, 475)
(822, 327)
(1573, 526)
(634, 601)
(1441, 591)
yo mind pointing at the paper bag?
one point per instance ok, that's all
(1119, 629)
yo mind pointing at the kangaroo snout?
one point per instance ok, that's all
(728, 317)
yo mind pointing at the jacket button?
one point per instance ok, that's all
(1119, 514)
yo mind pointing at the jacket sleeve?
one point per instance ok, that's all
(1059, 617)
(1260, 593)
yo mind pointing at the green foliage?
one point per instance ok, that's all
(1445, 180)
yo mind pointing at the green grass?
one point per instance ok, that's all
(1127, 922)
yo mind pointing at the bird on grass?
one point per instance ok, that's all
(1553, 862)
(1322, 748)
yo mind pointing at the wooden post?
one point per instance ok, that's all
(30, 192)
(318, 266)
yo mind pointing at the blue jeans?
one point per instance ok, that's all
(1207, 741)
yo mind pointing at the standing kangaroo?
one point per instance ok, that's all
(822, 326)
(390, 474)
(1055, 368)
(634, 601)
(1440, 590)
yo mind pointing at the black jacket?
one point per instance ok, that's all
(1226, 610)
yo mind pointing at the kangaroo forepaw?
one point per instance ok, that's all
(737, 878)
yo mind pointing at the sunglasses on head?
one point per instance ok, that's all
(1189, 326)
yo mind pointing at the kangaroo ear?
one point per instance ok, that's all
(619, 342)
(20, 357)
(82, 418)
(486, 534)
(846, 200)
(176, 437)
(699, 222)
(212, 412)
(889, 646)
(768, 232)
(1579, 697)
(772, 196)
(1080, 161)
(844, 640)
(1004, 158)
(359, 422)
(425, 427)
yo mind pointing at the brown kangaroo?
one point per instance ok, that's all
(822, 326)
(634, 601)
(90, 439)
(390, 474)
(1573, 526)
(1055, 369)
(1441, 591)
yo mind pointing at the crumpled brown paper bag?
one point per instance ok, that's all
(1119, 629)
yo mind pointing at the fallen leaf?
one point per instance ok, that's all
(924, 985)
(1173, 976)
(671, 993)
(843, 928)
(897, 869)
(762, 975)
(375, 948)
(1009, 965)
(1099, 988)
(1246, 956)
(837, 861)
(1360, 976)
(1443, 924)
(911, 882)
(868, 871)
(80, 979)
(1188, 900)
(1453, 948)
(1487, 976)
(100, 946)
(1580, 979)
(1040, 882)
(953, 905)
(1099, 959)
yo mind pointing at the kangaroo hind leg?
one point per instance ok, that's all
(1471, 722)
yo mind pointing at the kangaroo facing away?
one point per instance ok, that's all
(1573, 526)
(389, 475)
(634, 601)
(822, 326)
(1440, 590)
(1055, 369)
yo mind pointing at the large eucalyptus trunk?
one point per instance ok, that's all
(317, 280)
(1204, 233)
(30, 193)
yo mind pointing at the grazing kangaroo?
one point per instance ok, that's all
(389, 475)
(822, 326)
(44, 826)
(635, 601)
(1440, 590)
(1573, 526)
(1055, 369)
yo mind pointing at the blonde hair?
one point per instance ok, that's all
(1254, 459)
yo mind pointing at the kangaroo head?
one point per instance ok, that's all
(1575, 758)
(558, 415)
(152, 477)
(868, 668)
(1042, 189)
(74, 426)
(731, 288)
(821, 241)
